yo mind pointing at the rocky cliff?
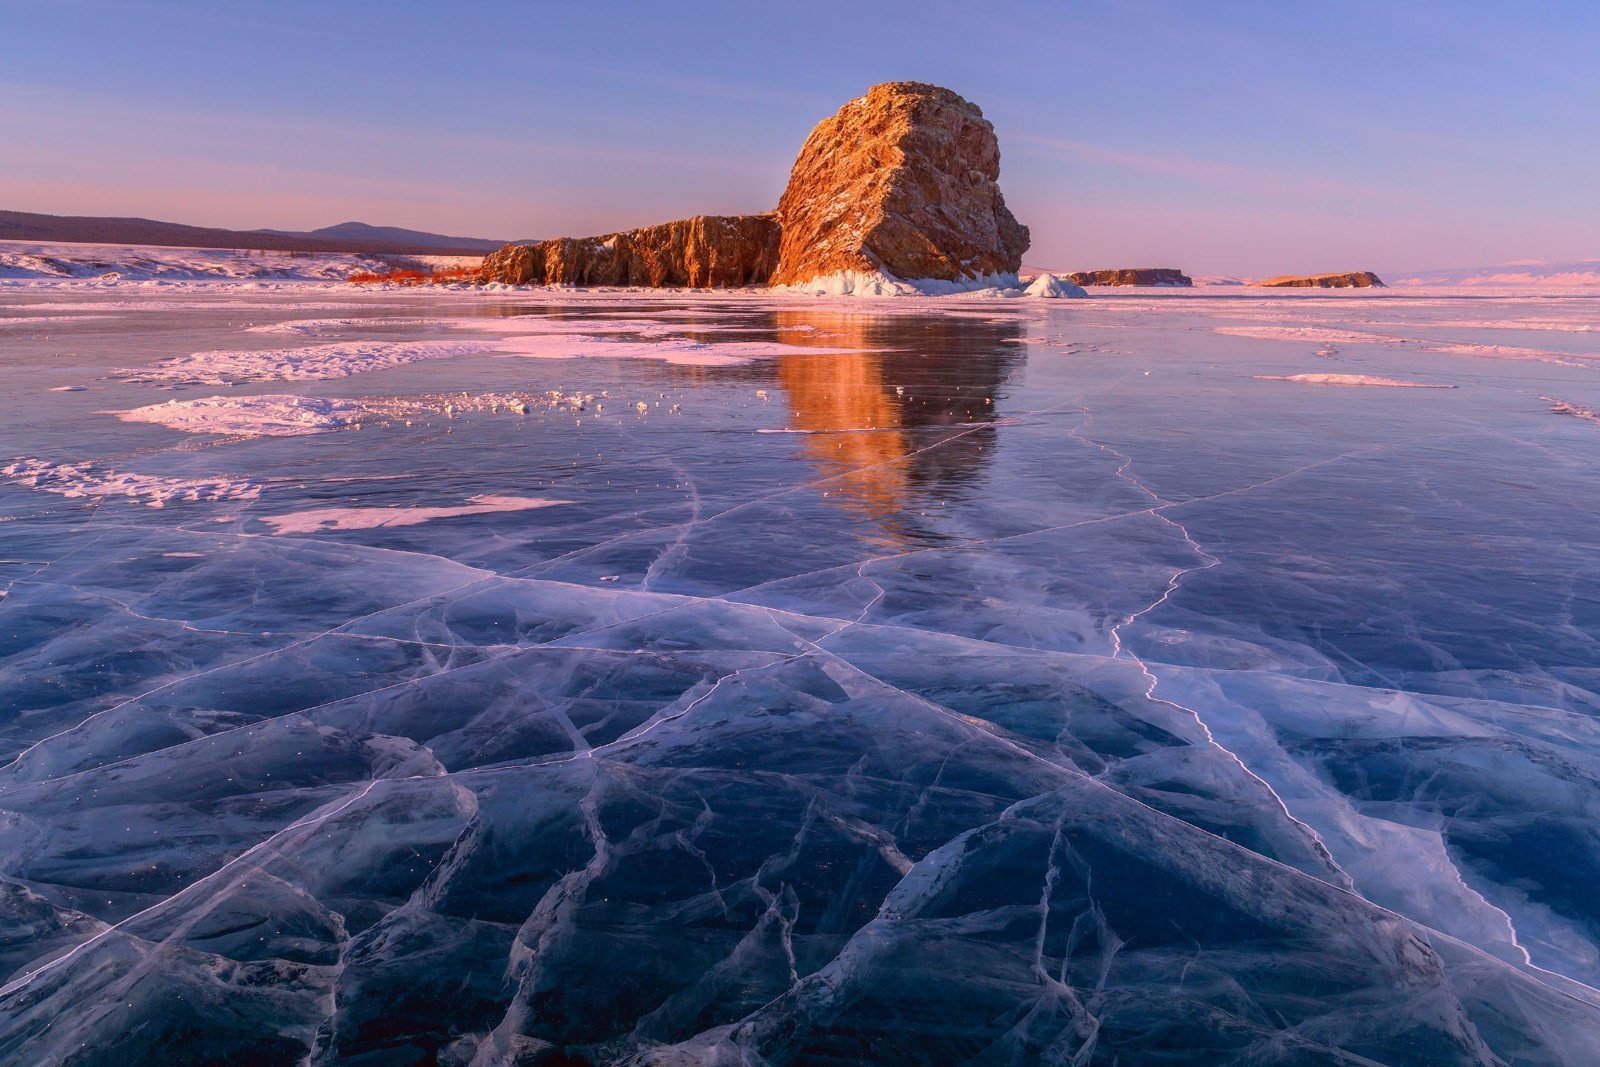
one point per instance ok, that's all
(1131, 276)
(1359, 279)
(705, 251)
(902, 181)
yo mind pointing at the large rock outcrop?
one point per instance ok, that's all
(1357, 279)
(705, 251)
(1132, 276)
(903, 181)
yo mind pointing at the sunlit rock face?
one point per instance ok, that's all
(903, 181)
(1131, 276)
(1359, 279)
(724, 251)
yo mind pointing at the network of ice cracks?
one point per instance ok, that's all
(312, 801)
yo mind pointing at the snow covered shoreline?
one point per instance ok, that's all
(80, 268)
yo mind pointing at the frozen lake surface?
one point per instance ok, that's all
(562, 678)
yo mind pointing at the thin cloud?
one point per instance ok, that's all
(218, 131)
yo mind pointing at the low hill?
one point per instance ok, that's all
(88, 229)
(397, 235)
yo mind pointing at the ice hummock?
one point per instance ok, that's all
(263, 415)
(1054, 287)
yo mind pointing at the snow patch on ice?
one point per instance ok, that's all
(1351, 379)
(85, 480)
(317, 520)
(1322, 335)
(271, 415)
(338, 359)
(314, 327)
(33, 320)
(1565, 359)
(1313, 334)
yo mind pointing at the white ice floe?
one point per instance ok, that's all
(317, 520)
(338, 359)
(271, 415)
(85, 480)
(1053, 287)
(1351, 379)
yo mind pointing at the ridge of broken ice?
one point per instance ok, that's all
(92, 481)
(265, 415)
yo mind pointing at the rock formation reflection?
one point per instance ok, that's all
(871, 418)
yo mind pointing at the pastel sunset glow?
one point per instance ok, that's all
(1237, 139)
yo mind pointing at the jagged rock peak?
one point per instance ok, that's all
(903, 181)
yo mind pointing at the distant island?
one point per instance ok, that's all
(1360, 279)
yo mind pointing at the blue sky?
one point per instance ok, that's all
(1231, 136)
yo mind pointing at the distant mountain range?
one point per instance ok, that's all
(1521, 272)
(345, 237)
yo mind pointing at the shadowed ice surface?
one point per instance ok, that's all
(785, 682)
